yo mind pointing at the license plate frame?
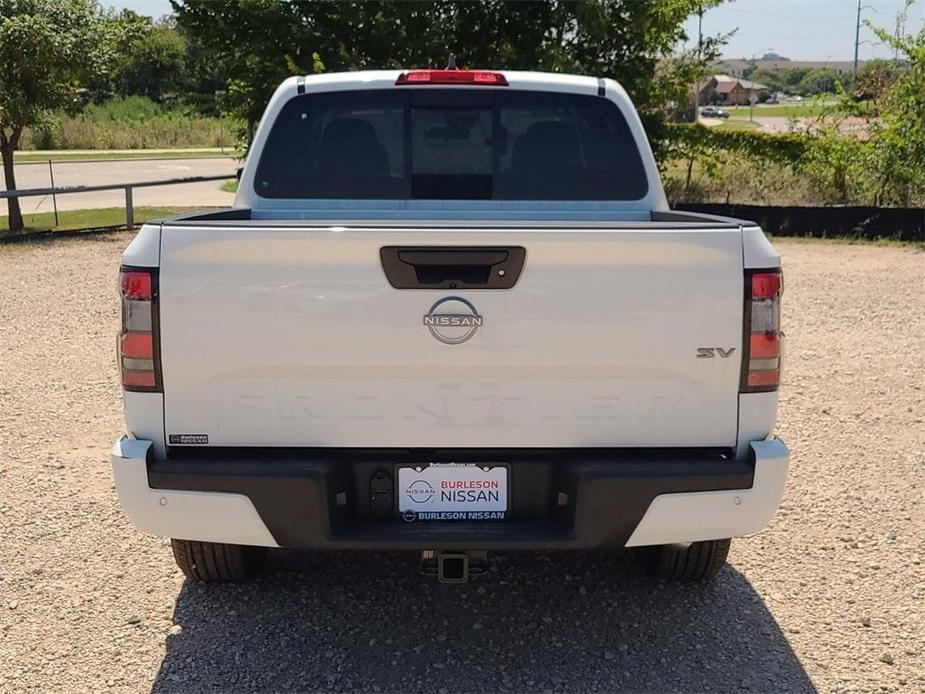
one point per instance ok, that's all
(432, 509)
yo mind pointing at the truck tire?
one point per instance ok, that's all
(676, 563)
(213, 562)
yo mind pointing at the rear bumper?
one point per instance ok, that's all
(575, 499)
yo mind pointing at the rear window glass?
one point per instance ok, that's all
(439, 144)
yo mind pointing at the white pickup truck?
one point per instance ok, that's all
(451, 312)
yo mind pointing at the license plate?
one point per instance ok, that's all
(453, 491)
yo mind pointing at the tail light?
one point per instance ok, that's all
(139, 358)
(480, 77)
(763, 338)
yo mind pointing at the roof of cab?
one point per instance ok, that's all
(381, 79)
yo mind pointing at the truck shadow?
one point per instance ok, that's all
(561, 621)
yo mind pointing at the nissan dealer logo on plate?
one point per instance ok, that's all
(453, 491)
(453, 320)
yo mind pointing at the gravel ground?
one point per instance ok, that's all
(829, 597)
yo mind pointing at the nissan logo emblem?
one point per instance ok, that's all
(452, 320)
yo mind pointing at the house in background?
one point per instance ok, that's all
(729, 91)
(772, 61)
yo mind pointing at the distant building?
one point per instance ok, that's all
(735, 66)
(731, 91)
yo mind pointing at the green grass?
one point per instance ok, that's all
(805, 110)
(64, 155)
(736, 124)
(91, 219)
(230, 186)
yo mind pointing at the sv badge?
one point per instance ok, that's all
(711, 352)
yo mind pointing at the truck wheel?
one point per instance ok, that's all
(676, 563)
(213, 562)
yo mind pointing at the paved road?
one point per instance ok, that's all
(769, 124)
(208, 194)
(776, 124)
(782, 124)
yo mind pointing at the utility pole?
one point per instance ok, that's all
(857, 32)
(700, 32)
(857, 38)
(699, 60)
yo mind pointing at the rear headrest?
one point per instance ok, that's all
(344, 130)
(349, 147)
(546, 142)
(553, 133)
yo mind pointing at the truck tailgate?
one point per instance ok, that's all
(293, 336)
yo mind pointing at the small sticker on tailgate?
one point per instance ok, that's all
(188, 439)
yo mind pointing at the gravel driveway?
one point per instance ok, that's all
(830, 597)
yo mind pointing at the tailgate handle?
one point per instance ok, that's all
(452, 267)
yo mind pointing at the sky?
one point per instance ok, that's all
(804, 29)
(797, 29)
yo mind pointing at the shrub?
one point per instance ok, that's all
(133, 122)
(696, 139)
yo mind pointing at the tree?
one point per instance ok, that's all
(260, 42)
(154, 65)
(898, 146)
(817, 81)
(792, 78)
(772, 78)
(47, 47)
(121, 30)
(874, 80)
(879, 158)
